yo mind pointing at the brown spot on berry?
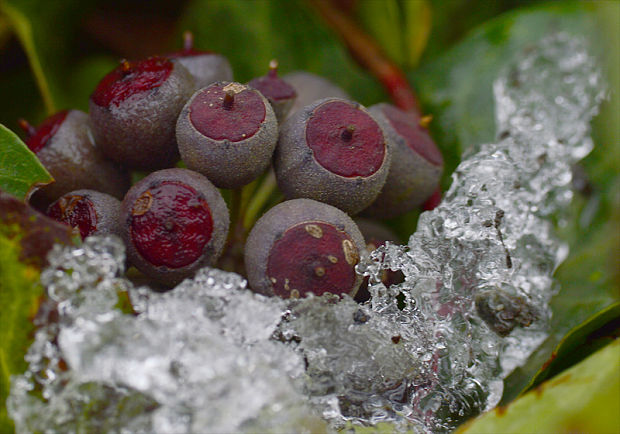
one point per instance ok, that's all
(350, 252)
(142, 204)
(314, 230)
(319, 271)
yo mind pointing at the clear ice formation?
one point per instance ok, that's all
(211, 356)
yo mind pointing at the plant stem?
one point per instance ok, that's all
(259, 199)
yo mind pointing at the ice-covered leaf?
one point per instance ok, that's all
(25, 238)
(456, 89)
(584, 398)
(20, 170)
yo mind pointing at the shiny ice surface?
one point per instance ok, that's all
(211, 356)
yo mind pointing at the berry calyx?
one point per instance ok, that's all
(414, 133)
(131, 78)
(230, 112)
(272, 86)
(170, 225)
(312, 257)
(38, 137)
(76, 210)
(345, 140)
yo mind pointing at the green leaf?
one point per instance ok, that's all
(23, 28)
(584, 398)
(20, 170)
(25, 238)
(583, 340)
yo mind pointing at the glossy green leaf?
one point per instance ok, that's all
(20, 169)
(23, 28)
(583, 340)
(585, 398)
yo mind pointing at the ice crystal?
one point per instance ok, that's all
(212, 356)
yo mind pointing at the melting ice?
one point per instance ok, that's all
(211, 356)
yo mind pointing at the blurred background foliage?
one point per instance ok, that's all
(53, 53)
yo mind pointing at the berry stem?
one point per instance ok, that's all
(229, 100)
(259, 199)
(26, 127)
(347, 134)
(273, 68)
(188, 41)
(368, 54)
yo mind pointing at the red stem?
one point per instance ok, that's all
(368, 54)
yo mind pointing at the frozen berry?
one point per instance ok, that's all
(280, 94)
(91, 212)
(303, 246)
(376, 235)
(174, 222)
(64, 145)
(227, 132)
(332, 151)
(134, 111)
(205, 66)
(417, 163)
(310, 88)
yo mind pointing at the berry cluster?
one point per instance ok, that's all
(331, 158)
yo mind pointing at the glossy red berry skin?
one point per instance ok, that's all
(417, 163)
(134, 111)
(229, 144)
(302, 246)
(174, 222)
(64, 145)
(332, 151)
(91, 212)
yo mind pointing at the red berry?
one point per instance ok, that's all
(63, 143)
(280, 94)
(175, 221)
(332, 151)
(134, 111)
(302, 246)
(91, 212)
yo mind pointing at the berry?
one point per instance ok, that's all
(332, 151)
(302, 246)
(91, 212)
(63, 143)
(134, 111)
(280, 94)
(174, 222)
(227, 132)
(310, 88)
(205, 67)
(417, 163)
